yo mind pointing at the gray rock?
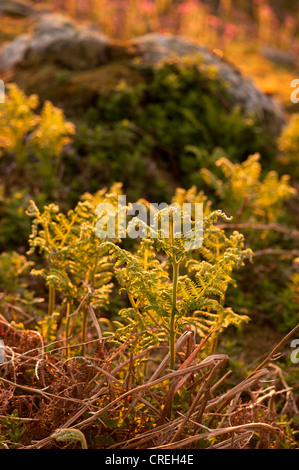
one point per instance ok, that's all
(50, 39)
(14, 52)
(155, 47)
(279, 57)
(57, 40)
(15, 8)
(87, 51)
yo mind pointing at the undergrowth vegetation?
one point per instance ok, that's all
(122, 342)
(177, 120)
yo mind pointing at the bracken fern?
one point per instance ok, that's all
(164, 303)
(77, 267)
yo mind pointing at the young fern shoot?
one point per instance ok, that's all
(164, 302)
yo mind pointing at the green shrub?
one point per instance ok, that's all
(173, 121)
(288, 143)
(246, 193)
(14, 224)
(30, 139)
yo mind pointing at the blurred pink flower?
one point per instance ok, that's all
(290, 22)
(187, 7)
(231, 30)
(146, 6)
(266, 11)
(214, 21)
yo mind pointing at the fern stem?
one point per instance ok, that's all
(84, 331)
(175, 267)
(175, 270)
(67, 328)
(51, 304)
